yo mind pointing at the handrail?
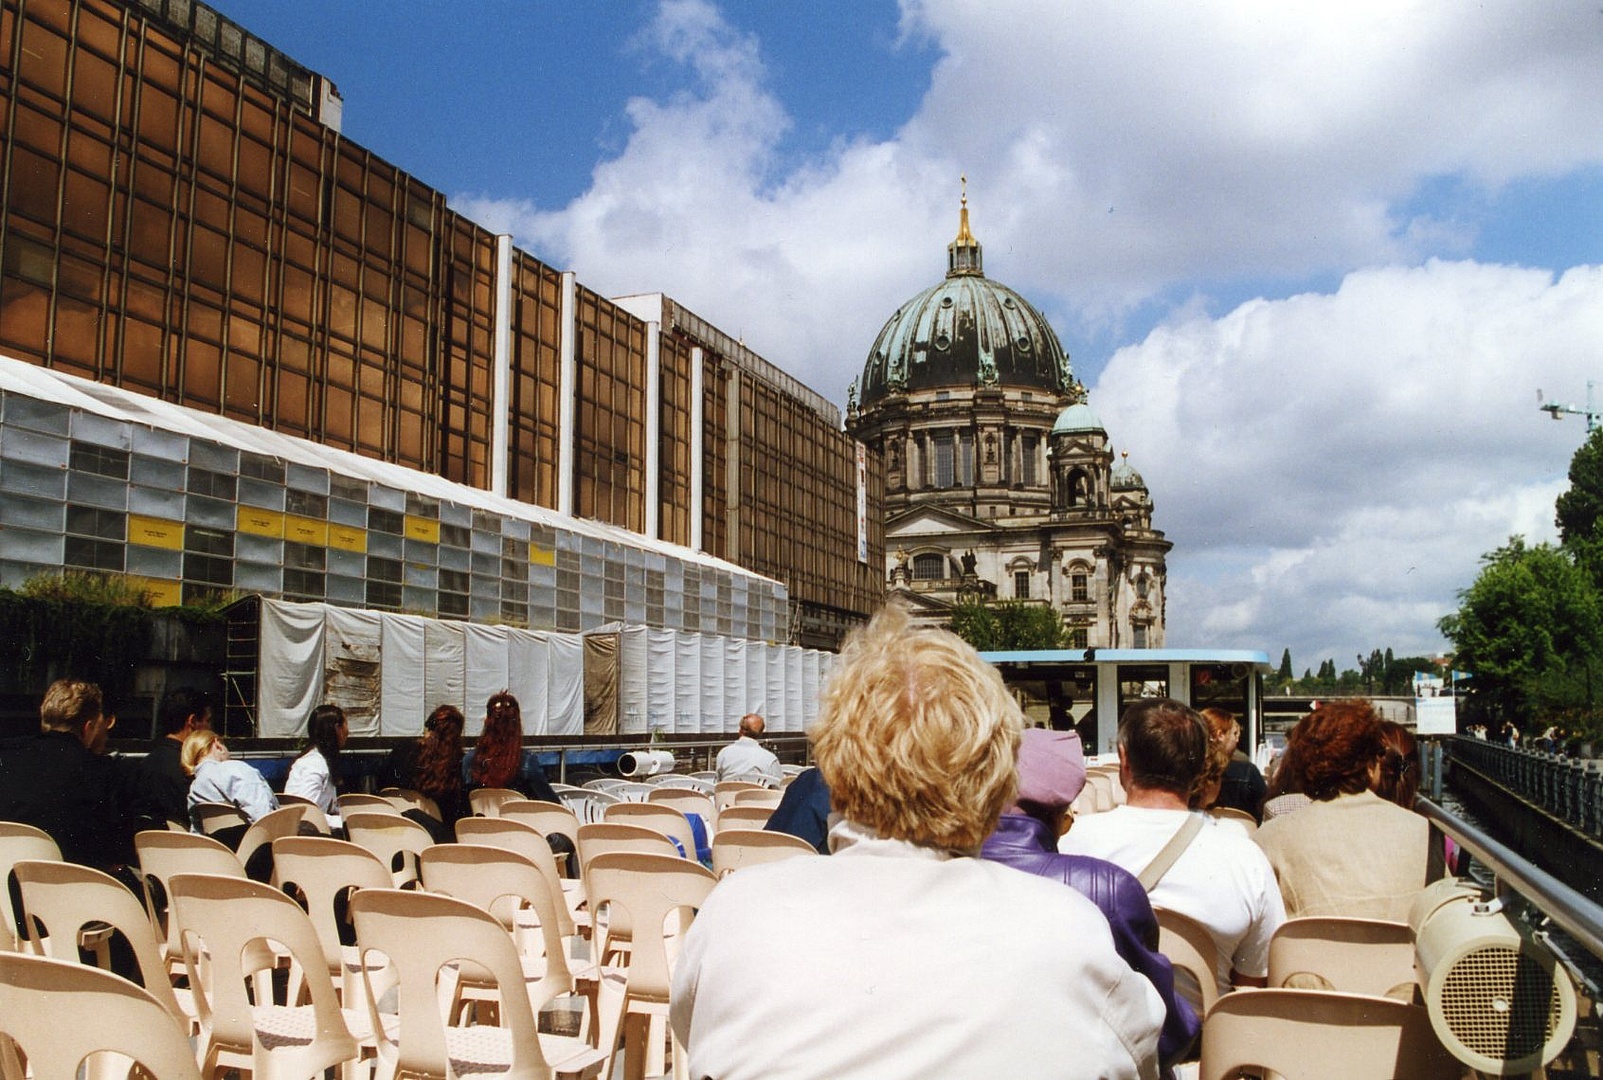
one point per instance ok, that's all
(1577, 915)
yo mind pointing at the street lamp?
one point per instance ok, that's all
(1557, 411)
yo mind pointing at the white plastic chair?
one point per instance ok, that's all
(18, 842)
(735, 848)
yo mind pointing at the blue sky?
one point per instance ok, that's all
(1312, 260)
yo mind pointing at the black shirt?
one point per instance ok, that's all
(51, 781)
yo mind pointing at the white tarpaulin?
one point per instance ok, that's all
(566, 695)
(633, 661)
(352, 642)
(711, 705)
(778, 702)
(687, 685)
(795, 688)
(444, 674)
(811, 682)
(529, 678)
(661, 657)
(403, 708)
(484, 655)
(289, 682)
(734, 684)
(757, 697)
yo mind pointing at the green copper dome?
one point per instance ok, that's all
(1077, 417)
(966, 331)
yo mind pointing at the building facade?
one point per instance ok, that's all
(1000, 481)
(183, 218)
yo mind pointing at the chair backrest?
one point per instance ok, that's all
(66, 898)
(164, 853)
(548, 817)
(1238, 816)
(486, 801)
(404, 799)
(285, 821)
(608, 836)
(396, 840)
(61, 1012)
(684, 783)
(1322, 1035)
(286, 799)
(422, 932)
(734, 848)
(525, 840)
(744, 817)
(587, 804)
(1359, 956)
(633, 790)
(1191, 950)
(650, 888)
(724, 791)
(358, 803)
(324, 871)
(605, 783)
(665, 819)
(499, 881)
(213, 817)
(761, 797)
(232, 918)
(17, 842)
(1101, 787)
(687, 801)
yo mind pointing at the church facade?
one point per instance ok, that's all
(1000, 481)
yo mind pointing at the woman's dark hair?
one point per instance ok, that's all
(438, 773)
(1332, 749)
(499, 751)
(1399, 768)
(322, 734)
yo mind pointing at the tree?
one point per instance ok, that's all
(1284, 674)
(1579, 509)
(1009, 625)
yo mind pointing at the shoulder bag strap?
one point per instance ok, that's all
(1176, 846)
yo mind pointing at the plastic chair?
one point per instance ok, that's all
(511, 834)
(735, 848)
(724, 791)
(604, 783)
(665, 819)
(163, 854)
(744, 817)
(608, 836)
(19, 842)
(231, 919)
(285, 821)
(69, 899)
(357, 803)
(41, 998)
(1358, 956)
(486, 801)
(214, 817)
(1190, 949)
(397, 841)
(680, 782)
(633, 790)
(761, 797)
(324, 871)
(286, 799)
(687, 801)
(421, 933)
(551, 819)
(649, 888)
(1322, 1035)
(588, 805)
(404, 799)
(1231, 813)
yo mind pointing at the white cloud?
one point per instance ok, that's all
(1332, 466)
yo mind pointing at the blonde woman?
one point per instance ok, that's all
(216, 777)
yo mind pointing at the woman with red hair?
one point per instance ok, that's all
(432, 766)
(1349, 851)
(498, 759)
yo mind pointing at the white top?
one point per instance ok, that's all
(231, 782)
(309, 778)
(1223, 880)
(745, 757)
(889, 960)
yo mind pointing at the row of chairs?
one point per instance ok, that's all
(216, 916)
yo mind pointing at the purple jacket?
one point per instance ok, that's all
(1027, 844)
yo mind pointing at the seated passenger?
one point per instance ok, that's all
(1241, 787)
(498, 759)
(1217, 877)
(432, 766)
(1349, 852)
(903, 955)
(804, 810)
(315, 775)
(216, 777)
(1051, 775)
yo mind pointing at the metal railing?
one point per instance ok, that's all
(1570, 789)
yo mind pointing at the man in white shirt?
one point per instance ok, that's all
(1221, 878)
(745, 758)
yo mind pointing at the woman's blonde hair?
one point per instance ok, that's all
(916, 736)
(197, 744)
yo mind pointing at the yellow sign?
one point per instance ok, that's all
(347, 538)
(155, 532)
(304, 530)
(424, 529)
(162, 593)
(542, 556)
(259, 522)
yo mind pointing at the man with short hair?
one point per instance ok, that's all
(159, 786)
(61, 782)
(1218, 876)
(746, 758)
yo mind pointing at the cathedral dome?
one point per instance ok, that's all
(966, 331)
(1076, 418)
(1125, 478)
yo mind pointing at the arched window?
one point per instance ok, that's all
(929, 567)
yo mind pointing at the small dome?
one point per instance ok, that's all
(1124, 478)
(1075, 418)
